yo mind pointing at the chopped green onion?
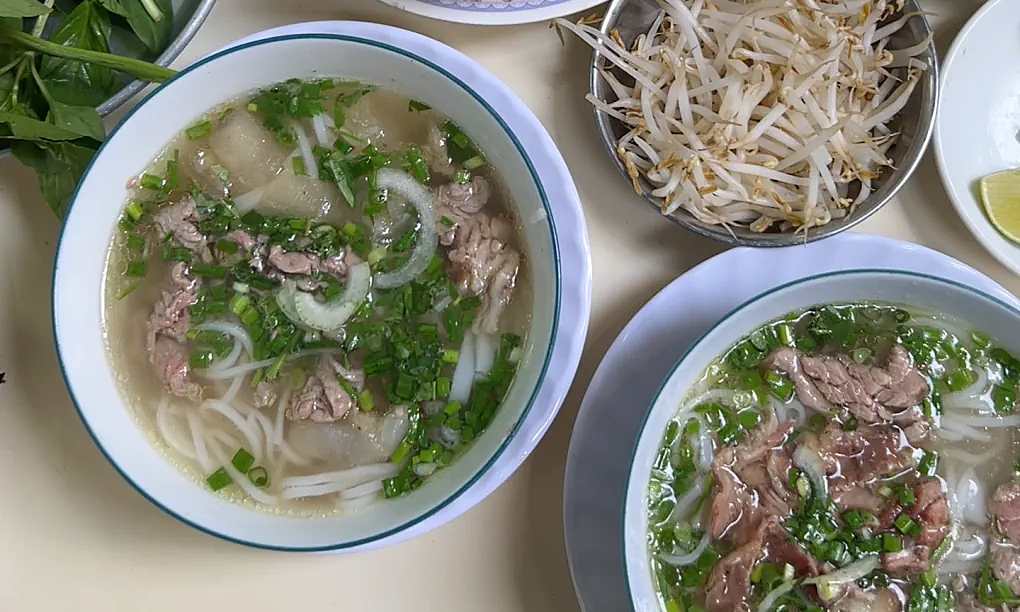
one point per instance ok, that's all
(126, 291)
(929, 463)
(415, 164)
(891, 543)
(200, 360)
(451, 356)
(474, 162)
(443, 387)
(462, 177)
(907, 525)
(959, 380)
(298, 164)
(785, 333)
(136, 244)
(219, 479)
(366, 401)
(243, 460)
(861, 355)
(136, 269)
(1004, 399)
(239, 304)
(152, 182)
(259, 476)
(416, 106)
(134, 210)
(199, 130)
(208, 271)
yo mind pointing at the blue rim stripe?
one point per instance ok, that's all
(648, 411)
(553, 333)
(490, 6)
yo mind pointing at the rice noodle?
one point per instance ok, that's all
(333, 482)
(231, 329)
(710, 86)
(687, 503)
(321, 131)
(164, 413)
(246, 368)
(305, 148)
(233, 389)
(957, 420)
(690, 557)
(250, 433)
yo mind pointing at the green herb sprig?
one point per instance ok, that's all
(52, 81)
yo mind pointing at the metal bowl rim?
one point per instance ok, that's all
(176, 47)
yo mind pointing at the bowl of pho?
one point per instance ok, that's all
(763, 123)
(310, 288)
(834, 444)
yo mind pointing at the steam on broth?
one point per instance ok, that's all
(317, 296)
(848, 457)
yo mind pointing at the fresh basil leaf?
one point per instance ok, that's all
(82, 120)
(114, 6)
(154, 34)
(24, 127)
(22, 8)
(77, 83)
(59, 167)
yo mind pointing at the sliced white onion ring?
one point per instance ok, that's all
(425, 244)
(332, 316)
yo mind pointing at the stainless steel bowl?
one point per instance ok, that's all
(188, 18)
(915, 123)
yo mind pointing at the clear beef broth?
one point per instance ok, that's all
(848, 457)
(288, 318)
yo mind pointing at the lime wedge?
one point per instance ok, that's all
(1000, 194)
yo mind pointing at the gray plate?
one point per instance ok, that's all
(624, 385)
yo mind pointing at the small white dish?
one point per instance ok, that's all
(992, 315)
(977, 128)
(493, 12)
(642, 356)
(511, 137)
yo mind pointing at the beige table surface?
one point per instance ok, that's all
(74, 536)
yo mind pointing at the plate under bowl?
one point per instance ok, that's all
(996, 317)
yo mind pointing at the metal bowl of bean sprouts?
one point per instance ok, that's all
(793, 121)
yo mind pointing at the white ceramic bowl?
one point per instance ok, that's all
(512, 139)
(996, 317)
(977, 129)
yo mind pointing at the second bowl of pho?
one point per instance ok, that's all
(837, 442)
(325, 291)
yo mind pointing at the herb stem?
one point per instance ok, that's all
(40, 21)
(153, 10)
(133, 67)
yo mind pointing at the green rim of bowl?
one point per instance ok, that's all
(808, 279)
(549, 351)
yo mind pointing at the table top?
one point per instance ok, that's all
(75, 536)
